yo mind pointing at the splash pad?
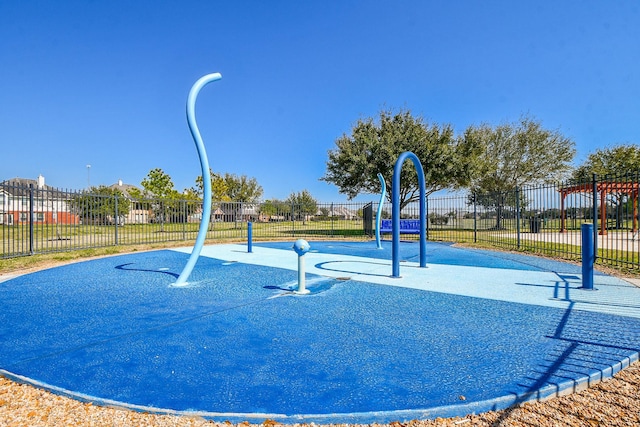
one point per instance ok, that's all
(473, 331)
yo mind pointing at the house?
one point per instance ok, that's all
(218, 215)
(139, 212)
(342, 212)
(236, 212)
(249, 212)
(20, 196)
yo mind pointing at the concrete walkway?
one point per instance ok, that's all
(623, 241)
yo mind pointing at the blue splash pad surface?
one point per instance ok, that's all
(232, 346)
(438, 253)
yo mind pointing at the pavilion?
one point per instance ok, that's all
(603, 189)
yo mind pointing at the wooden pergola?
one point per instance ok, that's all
(603, 189)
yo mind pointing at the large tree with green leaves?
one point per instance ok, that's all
(229, 192)
(303, 203)
(232, 188)
(618, 162)
(219, 187)
(158, 184)
(374, 147)
(243, 188)
(514, 154)
(275, 208)
(168, 204)
(100, 205)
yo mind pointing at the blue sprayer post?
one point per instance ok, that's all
(206, 176)
(249, 237)
(588, 256)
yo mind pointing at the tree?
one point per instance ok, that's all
(232, 188)
(373, 148)
(243, 188)
(180, 206)
(514, 154)
(159, 185)
(219, 187)
(275, 208)
(98, 205)
(229, 191)
(517, 153)
(616, 162)
(303, 204)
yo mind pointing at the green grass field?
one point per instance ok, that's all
(16, 241)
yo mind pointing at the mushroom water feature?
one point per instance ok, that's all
(301, 247)
(206, 178)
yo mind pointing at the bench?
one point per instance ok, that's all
(407, 226)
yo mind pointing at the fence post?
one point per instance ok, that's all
(518, 217)
(637, 207)
(331, 219)
(242, 210)
(426, 217)
(117, 217)
(595, 217)
(293, 221)
(475, 220)
(184, 220)
(31, 213)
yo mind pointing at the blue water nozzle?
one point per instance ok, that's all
(301, 247)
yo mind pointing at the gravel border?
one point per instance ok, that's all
(614, 402)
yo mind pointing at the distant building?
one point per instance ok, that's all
(139, 211)
(50, 205)
(340, 212)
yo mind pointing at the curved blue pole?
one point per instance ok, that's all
(395, 215)
(206, 177)
(379, 212)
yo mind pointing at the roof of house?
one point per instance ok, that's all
(124, 188)
(21, 186)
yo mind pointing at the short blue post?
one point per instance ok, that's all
(249, 237)
(588, 256)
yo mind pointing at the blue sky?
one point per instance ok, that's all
(105, 82)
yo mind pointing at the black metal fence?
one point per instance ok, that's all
(545, 219)
(43, 220)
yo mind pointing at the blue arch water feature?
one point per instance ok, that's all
(395, 215)
(383, 194)
(206, 178)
